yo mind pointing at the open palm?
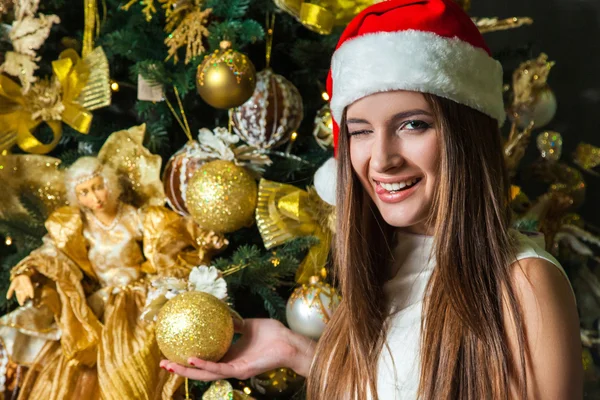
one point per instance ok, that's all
(265, 344)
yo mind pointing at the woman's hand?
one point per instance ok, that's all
(22, 286)
(265, 344)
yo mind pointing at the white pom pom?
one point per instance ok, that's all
(325, 181)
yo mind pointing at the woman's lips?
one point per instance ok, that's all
(395, 196)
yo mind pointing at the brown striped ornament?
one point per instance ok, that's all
(179, 169)
(272, 114)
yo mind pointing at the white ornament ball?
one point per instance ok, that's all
(310, 307)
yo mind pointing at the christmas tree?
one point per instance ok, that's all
(241, 83)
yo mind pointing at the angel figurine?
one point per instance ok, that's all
(78, 327)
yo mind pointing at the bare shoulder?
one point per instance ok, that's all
(551, 324)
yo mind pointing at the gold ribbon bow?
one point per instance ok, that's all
(322, 15)
(77, 87)
(285, 212)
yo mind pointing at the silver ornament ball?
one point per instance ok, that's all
(310, 307)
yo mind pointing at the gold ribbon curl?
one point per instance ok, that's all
(285, 212)
(77, 87)
(322, 16)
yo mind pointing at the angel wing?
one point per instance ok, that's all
(137, 167)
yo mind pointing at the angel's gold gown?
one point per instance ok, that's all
(83, 337)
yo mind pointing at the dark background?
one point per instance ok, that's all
(568, 31)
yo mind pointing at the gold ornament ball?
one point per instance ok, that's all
(221, 196)
(194, 324)
(226, 78)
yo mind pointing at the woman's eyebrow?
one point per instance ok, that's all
(400, 115)
(410, 113)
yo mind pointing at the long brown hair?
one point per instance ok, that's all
(464, 346)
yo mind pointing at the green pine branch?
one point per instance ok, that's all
(239, 33)
(228, 9)
(264, 271)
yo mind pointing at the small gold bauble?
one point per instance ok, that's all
(276, 383)
(323, 131)
(221, 390)
(194, 324)
(226, 78)
(222, 196)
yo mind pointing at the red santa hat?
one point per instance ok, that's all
(427, 46)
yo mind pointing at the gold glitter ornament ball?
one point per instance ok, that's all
(194, 324)
(226, 78)
(221, 196)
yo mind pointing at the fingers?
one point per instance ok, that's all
(11, 291)
(238, 325)
(192, 373)
(29, 291)
(20, 298)
(221, 368)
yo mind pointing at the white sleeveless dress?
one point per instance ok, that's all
(414, 264)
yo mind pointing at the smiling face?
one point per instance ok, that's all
(394, 151)
(93, 194)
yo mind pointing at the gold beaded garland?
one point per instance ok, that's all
(194, 324)
(222, 196)
(226, 78)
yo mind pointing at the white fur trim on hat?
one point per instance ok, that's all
(417, 61)
(325, 181)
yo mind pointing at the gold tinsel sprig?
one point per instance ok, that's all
(189, 32)
(148, 7)
(486, 25)
(185, 25)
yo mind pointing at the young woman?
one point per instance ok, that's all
(441, 300)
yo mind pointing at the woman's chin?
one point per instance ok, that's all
(411, 223)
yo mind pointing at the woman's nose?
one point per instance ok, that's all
(385, 152)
